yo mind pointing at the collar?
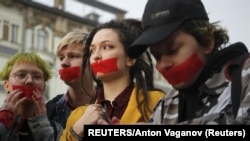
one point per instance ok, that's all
(120, 100)
(68, 101)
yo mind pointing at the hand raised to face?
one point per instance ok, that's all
(40, 107)
(13, 101)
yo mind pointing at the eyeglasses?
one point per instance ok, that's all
(21, 77)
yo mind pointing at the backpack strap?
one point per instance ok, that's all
(235, 69)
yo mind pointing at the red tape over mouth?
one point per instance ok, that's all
(27, 90)
(184, 71)
(68, 74)
(105, 66)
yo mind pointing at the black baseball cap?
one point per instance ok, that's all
(163, 17)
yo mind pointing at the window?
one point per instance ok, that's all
(42, 40)
(14, 33)
(6, 30)
(10, 32)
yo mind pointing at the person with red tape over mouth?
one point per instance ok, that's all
(125, 86)
(23, 115)
(210, 77)
(80, 85)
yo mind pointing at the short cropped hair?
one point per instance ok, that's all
(22, 57)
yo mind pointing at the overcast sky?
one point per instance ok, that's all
(234, 15)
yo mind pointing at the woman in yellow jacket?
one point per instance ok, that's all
(125, 87)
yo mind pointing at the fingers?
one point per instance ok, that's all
(39, 103)
(15, 102)
(114, 121)
(97, 107)
(11, 100)
(103, 114)
(106, 116)
(92, 114)
(102, 122)
(13, 96)
(37, 96)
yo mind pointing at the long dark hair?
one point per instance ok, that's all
(141, 72)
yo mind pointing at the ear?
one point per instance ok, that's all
(210, 47)
(6, 86)
(130, 61)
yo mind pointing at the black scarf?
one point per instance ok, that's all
(189, 97)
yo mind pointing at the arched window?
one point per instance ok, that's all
(42, 40)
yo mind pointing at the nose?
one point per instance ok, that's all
(97, 55)
(29, 80)
(65, 62)
(164, 63)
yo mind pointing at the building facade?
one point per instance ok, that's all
(26, 25)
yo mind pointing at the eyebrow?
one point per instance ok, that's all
(32, 72)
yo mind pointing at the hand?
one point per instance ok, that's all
(40, 106)
(114, 121)
(13, 102)
(92, 114)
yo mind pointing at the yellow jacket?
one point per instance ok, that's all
(132, 113)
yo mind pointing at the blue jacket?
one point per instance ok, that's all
(58, 110)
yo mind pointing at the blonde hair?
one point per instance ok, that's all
(75, 36)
